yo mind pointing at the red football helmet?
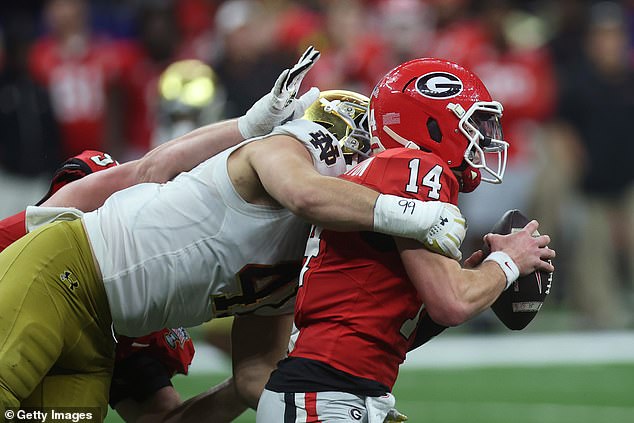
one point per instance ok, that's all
(85, 163)
(439, 106)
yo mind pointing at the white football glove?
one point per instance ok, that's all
(395, 416)
(281, 104)
(439, 226)
(446, 235)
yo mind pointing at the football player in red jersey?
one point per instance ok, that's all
(143, 366)
(436, 132)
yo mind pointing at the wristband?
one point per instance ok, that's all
(507, 265)
(404, 217)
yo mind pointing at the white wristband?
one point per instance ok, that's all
(404, 217)
(507, 265)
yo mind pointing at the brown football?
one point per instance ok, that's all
(518, 305)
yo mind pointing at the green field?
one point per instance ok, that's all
(545, 394)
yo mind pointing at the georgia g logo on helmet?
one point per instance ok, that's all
(439, 85)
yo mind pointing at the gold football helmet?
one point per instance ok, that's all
(190, 96)
(345, 115)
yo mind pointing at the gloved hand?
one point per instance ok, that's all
(281, 104)
(438, 225)
(394, 416)
(445, 236)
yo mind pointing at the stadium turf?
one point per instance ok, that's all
(535, 394)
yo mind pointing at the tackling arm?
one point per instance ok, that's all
(184, 153)
(159, 165)
(90, 192)
(285, 170)
(259, 342)
(453, 294)
(219, 404)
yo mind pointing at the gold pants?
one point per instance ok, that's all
(56, 347)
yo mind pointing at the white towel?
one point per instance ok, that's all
(39, 216)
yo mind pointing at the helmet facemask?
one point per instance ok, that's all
(482, 128)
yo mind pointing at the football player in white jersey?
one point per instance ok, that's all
(223, 239)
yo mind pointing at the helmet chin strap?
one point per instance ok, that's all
(399, 139)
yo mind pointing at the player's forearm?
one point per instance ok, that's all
(468, 293)
(218, 405)
(477, 289)
(259, 342)
(151, 409)
(186, 152)
(90, 192)
(334, 203)
(452, 295)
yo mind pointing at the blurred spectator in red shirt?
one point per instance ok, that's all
(518, 70)
(458, 36)
(407, 29)
(196, 23)
(78, 70)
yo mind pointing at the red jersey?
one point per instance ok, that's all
(78, 83)
(12, 228)
(524, 81)
(356, 309)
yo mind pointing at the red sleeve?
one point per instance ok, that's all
(11, 229)
(407, 173)
(172, 347)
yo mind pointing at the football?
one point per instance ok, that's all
(517, 306)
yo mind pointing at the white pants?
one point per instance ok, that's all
(324, 407)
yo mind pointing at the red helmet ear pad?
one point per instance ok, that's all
(470, 179)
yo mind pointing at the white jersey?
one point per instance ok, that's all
(181, 253)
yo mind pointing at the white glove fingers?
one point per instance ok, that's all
(279, 105)
(297, 72)
(453, 249)
(305, 101)
(280, 82)
(306, 53)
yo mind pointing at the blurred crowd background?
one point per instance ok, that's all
(125, 75)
